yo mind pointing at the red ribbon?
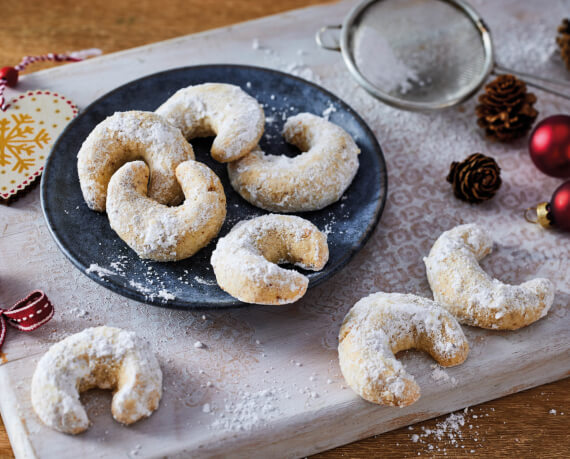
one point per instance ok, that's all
(27, 314)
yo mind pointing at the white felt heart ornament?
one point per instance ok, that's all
(28, 129)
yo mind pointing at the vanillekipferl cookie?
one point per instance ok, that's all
(245, 260)
(383, 324)
(129, 136)
(102, 357)
(309, 181)
(224, 110)
(162, 233)
(459, 283)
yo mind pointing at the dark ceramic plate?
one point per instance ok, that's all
(86, 238)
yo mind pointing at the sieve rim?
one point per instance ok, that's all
(470, 90)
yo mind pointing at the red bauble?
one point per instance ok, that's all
(549, 146)
(560, 206)
(10, 74)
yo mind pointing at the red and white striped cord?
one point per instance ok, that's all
(3, 105)
(9, 75)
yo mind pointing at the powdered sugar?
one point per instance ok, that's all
(165, 295)
(450, 427)
(145, 288)
(160, 232)
(303, 71)
(248, 410)
(378, 63)
(454, 431)
(101, 272)
(203, 281)
(129, 127)
(439, 375)
(327, 112)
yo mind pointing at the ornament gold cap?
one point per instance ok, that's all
(542, 215)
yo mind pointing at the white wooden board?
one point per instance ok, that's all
(291, 351)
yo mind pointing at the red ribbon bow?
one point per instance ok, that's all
(27, 314)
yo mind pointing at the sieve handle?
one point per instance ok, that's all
(321, 42)
(556, 87)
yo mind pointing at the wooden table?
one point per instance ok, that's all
(529, 424)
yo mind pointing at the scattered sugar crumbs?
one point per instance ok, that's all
(451, 430)
(246, 411)
(440, 376)
(153, 286)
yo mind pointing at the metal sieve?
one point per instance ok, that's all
(421, 54)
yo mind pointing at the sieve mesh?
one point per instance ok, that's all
(424, 52)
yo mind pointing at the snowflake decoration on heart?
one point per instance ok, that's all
(18, 142)
(28, 130)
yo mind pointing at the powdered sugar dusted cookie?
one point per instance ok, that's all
(245, 260)
(309, 181)
(383, 324)
(128, 136)
(224, 110)
(474, 297)
(103, 357)
(158, 232)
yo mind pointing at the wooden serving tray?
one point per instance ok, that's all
(267, 382)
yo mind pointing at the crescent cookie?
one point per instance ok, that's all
(474, 297)
(102, 357)
(245, 260)
(383, 324)
(127, 136)
(309, 181)
(158, 232)
(224, 110)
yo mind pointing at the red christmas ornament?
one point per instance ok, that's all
(556, 212)
(549, 146)
(560, 206)
(10, 74)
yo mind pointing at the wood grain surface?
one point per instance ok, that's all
(533, 423)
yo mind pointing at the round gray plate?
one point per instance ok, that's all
(86, 238)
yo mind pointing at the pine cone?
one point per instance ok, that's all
(475, 179)
(563, 40)
(506, 110)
